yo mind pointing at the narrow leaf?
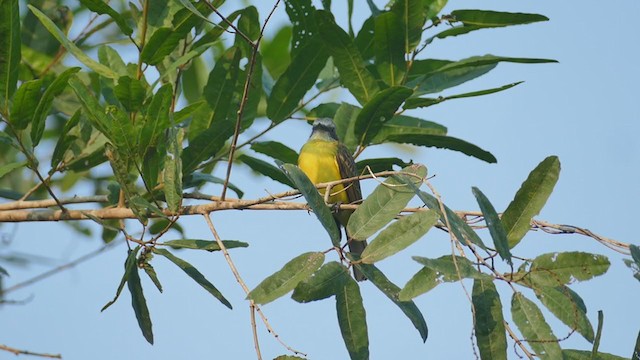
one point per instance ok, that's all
(346, 57)
(276, 150)
(266, 169)
(379, 110)
(71, 47)
(203, 244)
(534, 328)
(287, 278)
(25, 102)
(389, 50)
(157, 119)
(406, 125)
(324, 283)
(530, 199)
(570, 354)
(173, 170)
(496, 229)
(353, 320)
(7, 168)
(554, 269)
(437, 271)
(10, 49)
(139, 304)
(444, 142)
(206, 145)
(65, 139)
(100, 7)
(399, 235)
(151, 272)
(567, 306)
(413, 103)
(384, 203)
(412, 19)
(130, 92)
(194, 274)
(129, 265)
(197, 178)
(314, 199)
(489, 321)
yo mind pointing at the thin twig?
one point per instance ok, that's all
(254, 329)
(517, 341)
(27, 352)
(244, 286)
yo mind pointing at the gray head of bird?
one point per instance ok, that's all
(324, 128)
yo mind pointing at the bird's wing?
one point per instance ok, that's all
(347, 167)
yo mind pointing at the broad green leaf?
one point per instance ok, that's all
(365, 38)
(345, 120)
(444, 79)
(25, 102)
(122, 131)
(197, 178)
(180, 63)
(139, 304)
(71, 47)
(264, 168)
(530, 199)
(412, 19)
(384, 204)
(444, 142)
(203, 244)
(91, 107)
(64, 140)
(276, 150)
(275, 51)
(482, 19)
(112, 59)
(130, 92)
(353, 73)
(462, 231)
(157, 119)
(44, 105)
(570, 354)
(406, 125)
(389, 50)
(324, 283)
(534, 328)
(194, 274)
(206, 145)
(7, 168)
(391, 290)
(301, 13)
(10, 49)
(437, 271)
(129, 266)
(287, 278)
(489, 321)
(189, 6)
(433, 8)
(554, 269)
(173, 170)
(379, 110)
(314, 199)
(496, 229)
(379, 164)
(297, 79)
(567, 306)
(353, 320)
(413, 103)
(100, 7)
(399, 235)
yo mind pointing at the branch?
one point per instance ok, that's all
(17, 352)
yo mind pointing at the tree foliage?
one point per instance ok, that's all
(143, 132)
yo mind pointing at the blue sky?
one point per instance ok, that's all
(583, 109)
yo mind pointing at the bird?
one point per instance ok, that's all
(324, 158)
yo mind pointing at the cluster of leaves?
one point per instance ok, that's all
(166, 133)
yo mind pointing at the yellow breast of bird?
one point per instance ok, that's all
(318, 161)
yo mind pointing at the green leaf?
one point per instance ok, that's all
(489, 322)
(365, 38)
(314, 199)
(122, 132)
(157, 119)
(120, 168)
(462, 231)
(7, 168)
(380, 164)
(297, 79)
(570, 354)
(567, 306)
(379, 110)
(206, 145)
(287, 278)
(204, 244)
(438, 80)
(530, 199)
(112, 59)
(412, 20)
(346, 57)
(130, 92)
(71, 47)
(151, 272)
(389, 50)
(275, 51)
(189, 6)
(197, 178)
(345, 119)
(276, 150)
(173, 170)
(534, 328)
(406, 125)
(444, 142)
(554, 269)
(413, 103)
(266, 169)
(391, 290)
(65, 140)
(194, 274)
(301, 14)
(44, 105)
(324, 283)
(496, 229)
(220, 87)
(100, 7)
(353, 320)
(24, 104)
(435, 272)
(91, 107)
(10, 49)
(139, 305)
(482, 19)
(384, 203)
(399, 235)
(129, 265)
